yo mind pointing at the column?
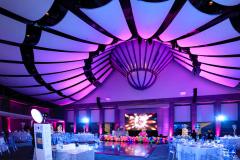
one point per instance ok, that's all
(76, 113)
(8, 124)
(171, 119)
(64, 126)
(55, 125)
(117, 118)
(238, 111)
(88, 116)
(101, 120)
(193, 115)
(217, 111)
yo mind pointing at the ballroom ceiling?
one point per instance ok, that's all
(61, 50)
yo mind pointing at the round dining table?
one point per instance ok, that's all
(197, 152)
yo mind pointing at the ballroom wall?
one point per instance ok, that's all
(182, 114)
(170, 82)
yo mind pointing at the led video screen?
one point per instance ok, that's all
(142, 121)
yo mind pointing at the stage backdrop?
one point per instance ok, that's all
(162, 115)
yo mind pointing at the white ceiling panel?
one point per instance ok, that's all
(58, 67)
(83, 31)
(30, 9)
(110, 17)
(9, 52)
(68, 83)
(10, 69)
(62, 76)
(187, 20)
(52, 41)
(32, 90)
(221, 61)
(228, 2)
(235, 73)
(76, 88)
(147, 16)
(48, 97)
(52, 56)
(63, 102)
(216, 33)
(84, 93)
(18, 81)
(223, 49)
(11, 30)
(221, 80)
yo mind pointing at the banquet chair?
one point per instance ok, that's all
(172, 152)
(187, 156)
(4, 148)
(11, 143)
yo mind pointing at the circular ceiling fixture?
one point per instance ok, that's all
(140, 61)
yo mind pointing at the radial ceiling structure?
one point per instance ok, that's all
(60, 51)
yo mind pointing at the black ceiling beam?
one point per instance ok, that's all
(88, 69)
(235, 20)
(127, 11)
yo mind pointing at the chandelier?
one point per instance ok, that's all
(141, 61)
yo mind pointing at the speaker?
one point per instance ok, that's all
(194, 95)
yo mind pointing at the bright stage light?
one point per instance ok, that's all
(221, 118)
(37, 116)
(85, 120)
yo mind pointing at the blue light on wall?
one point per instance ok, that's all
(221, 118)
(85, 120)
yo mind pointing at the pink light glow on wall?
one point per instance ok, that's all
(9, 124)
(218, 128)
(100, 129)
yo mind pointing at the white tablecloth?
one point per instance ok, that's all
(82, 152)
(3, 145)
(230, 142)
(2, 141)
(187, 152)
(85, 137)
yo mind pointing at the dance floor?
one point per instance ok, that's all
(26, 153)
(125, 149)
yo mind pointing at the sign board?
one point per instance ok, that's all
(43, 147)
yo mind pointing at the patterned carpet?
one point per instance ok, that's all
(160, 153)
